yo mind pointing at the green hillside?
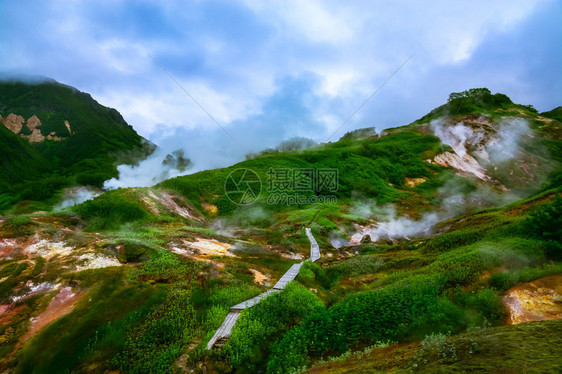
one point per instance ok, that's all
(79, 141)
(555, 114)
(423, 254)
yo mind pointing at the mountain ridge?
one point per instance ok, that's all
(73, 140)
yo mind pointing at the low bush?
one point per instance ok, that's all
(355, 266)
(17, 226)
(505, 280)
(434, 347)
(546, 224)
(111, 209)
(486, 302)
(453, 239)
(155, 345)
(165, 266)
(393, 312)
(260, 325)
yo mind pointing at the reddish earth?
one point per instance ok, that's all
(6, 246)
(6, 312)
(60, 305)
(539, 300)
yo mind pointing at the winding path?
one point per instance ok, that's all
(222, 334)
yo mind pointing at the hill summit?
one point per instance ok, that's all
(54, 136)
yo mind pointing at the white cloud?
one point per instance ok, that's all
(310, 20)
(233, 57)
(123, 56)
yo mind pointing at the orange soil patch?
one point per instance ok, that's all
(218, 264)
(259, 277)
(183, 252)
(539, 300)
(60, 305)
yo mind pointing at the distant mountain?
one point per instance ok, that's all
(53, 136)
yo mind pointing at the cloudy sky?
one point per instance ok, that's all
(271, 70)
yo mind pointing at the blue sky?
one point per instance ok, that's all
(272, 70)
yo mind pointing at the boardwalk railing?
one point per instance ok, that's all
(222, 334)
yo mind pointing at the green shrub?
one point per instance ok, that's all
(95, 179)
(111, 209)
(486, 301)
(546, 224)
(505, 280)
(17, 226)
(453, 239)
(257, 326)
(489, 303)
(165, 266)
(385, 314)
(43, 189)
(355, 266)
(156, 344)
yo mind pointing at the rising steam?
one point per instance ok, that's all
(156, 168)
(478, 148)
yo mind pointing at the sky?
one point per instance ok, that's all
(220, 79)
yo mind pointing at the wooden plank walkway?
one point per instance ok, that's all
(222, 334)
(253, 301)
(226, 328)
(314, 248)
(288, 276)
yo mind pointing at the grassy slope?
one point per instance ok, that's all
(533, 347)
(555, 114)
(181, 302)
(17, 155)
(374, 167)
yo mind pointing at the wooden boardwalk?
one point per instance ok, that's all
(253, 301)
(222, 334)
(288, 276)
(225, 330)
(314, 248)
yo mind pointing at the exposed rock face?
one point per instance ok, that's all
(52, 136)
(414, 182)
(33, 123)
(13, 122)
(539, 300)
(493, 150)
(467, 138)
(466, 164)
